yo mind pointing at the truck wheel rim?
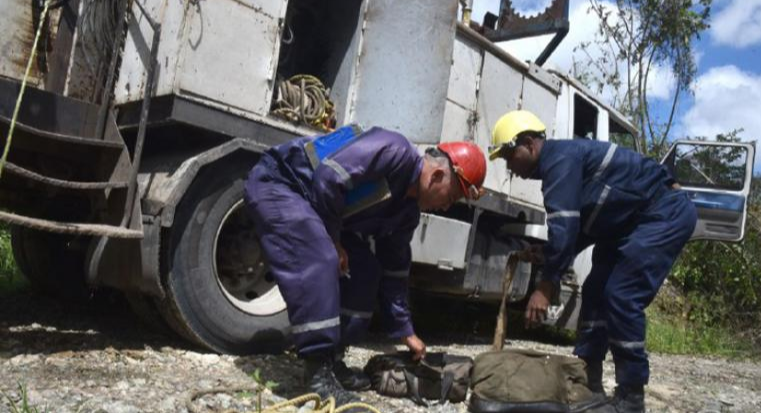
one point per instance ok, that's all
(240, 267)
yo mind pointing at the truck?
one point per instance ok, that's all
(142, 118)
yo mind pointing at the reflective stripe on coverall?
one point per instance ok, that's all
(598, 193)
(300, 209)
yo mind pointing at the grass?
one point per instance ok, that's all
(11, 280)
(23, 406)
(671, 336)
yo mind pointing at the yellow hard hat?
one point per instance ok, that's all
(509, 126)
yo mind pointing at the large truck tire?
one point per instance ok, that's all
(219, 292)
(54, 264)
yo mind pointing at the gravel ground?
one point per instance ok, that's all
(99, 358)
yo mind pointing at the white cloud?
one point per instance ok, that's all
(738, 24)
(726, 98)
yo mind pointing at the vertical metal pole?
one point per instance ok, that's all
(141, 131)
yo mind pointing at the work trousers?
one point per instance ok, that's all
(327, 310)
(625, 277)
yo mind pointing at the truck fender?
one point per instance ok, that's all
(161, 191)
(162, 184)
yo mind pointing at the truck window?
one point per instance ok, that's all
(621, 136)
(709, 166)
(584, 119)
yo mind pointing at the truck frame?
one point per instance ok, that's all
(143, 118)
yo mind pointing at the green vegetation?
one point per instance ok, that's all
(262, 385)
(24, 406)
(10, 277)
(713, 302)
(673, 336)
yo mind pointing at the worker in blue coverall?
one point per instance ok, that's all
(335, 216)
(630, 208)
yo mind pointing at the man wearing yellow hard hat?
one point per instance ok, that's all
(596, 193)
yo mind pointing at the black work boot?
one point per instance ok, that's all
(629, 399)
(594, 377)
(319, 378)
(350, 379)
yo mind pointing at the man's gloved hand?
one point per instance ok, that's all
(416, 346)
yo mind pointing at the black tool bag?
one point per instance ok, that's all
(510, 381)
(438, 376)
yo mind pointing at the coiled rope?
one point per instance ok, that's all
(304, 99)
(320, 406)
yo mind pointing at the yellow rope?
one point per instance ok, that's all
(305, 99)
(7, 149)
(320, 406)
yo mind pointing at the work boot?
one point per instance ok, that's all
(350, 378)
(319, 378)
(629, 399)
(594, 377)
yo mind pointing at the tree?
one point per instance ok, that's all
(634, 38)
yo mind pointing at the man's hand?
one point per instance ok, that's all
(536, 310)
(535, 254)
(343, 259)
(416, 346)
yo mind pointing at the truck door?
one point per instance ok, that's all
(717, 177)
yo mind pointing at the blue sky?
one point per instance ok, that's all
(727, 92)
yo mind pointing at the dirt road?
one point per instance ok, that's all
(99, 358)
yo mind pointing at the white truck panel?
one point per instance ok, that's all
(16, 38)
(499, 91)
(223, 51)
(403, 69)
(543, 103)
(456, 123)
(130, 85)
(467, 59)
(440, 241)
(231, 55)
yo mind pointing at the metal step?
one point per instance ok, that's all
(60, 183)
(57, 158)
(64, 138)
(70, 227)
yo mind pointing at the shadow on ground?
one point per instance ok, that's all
(31, 323)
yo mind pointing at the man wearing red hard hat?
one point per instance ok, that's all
(335, 216)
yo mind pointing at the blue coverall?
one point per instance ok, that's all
(623, 203)
(304, 198)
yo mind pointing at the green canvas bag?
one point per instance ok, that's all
(529, 381)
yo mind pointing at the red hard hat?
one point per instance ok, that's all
(469, 163)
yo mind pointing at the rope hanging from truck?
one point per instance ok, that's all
(9, 139)
(304, 99)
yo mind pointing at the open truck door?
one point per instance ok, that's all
(717, 177)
